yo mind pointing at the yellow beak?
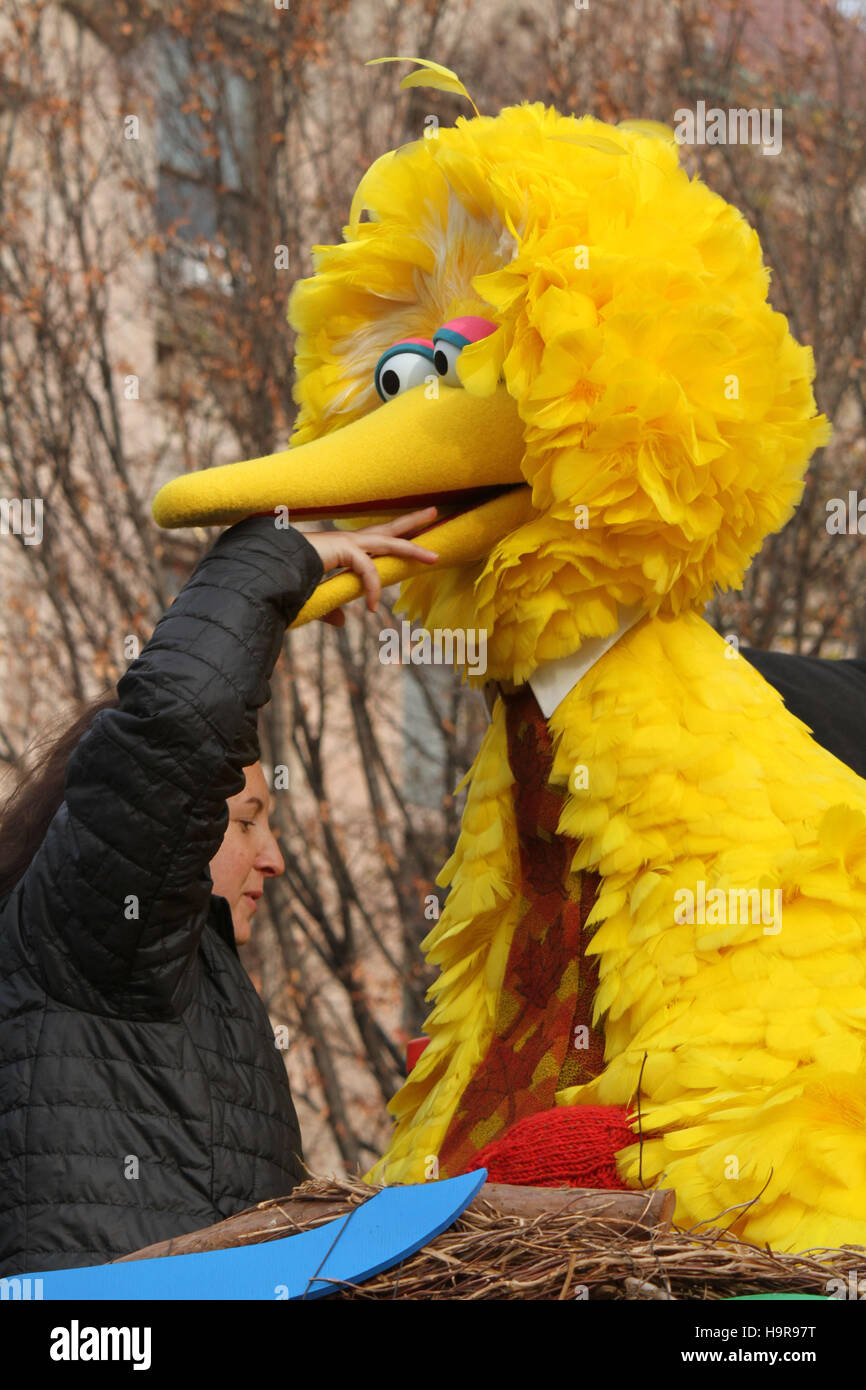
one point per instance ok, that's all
(461, 452)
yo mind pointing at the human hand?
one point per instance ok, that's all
(352, 550)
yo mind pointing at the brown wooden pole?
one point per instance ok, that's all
(633, 1213)
(638, 1212)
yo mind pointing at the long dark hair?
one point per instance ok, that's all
(34, 802)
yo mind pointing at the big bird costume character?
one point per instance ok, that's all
(545, 326)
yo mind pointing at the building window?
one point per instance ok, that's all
(205, 150)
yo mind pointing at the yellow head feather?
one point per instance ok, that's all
(434, 75)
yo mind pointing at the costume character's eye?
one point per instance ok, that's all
(403, 366)
(445, 358)
(450, 340)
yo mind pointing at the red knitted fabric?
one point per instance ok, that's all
(569, 1146)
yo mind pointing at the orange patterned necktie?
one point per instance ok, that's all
(543, 1039)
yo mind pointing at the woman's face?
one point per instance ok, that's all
(248, 854)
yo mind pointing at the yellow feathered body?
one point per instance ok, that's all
(668, 420)
(748, 1027)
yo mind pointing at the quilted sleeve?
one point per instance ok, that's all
(115, 901)
(828, 695)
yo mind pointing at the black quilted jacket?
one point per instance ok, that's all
(828, 695)
(141, 1093)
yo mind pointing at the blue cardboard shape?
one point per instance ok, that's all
(377, 1235)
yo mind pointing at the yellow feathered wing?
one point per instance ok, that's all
(753, 1031)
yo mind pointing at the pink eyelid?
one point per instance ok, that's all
(471, 327)
(414, 342)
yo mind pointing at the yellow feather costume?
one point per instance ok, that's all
(665, 420)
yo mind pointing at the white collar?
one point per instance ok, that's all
(553, 680)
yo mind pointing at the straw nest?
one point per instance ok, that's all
(488, 1255)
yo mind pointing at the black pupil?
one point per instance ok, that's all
(390, 382)
(440, 362)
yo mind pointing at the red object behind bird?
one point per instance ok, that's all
(569, 1146)
(414, 1048)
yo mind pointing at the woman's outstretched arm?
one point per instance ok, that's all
(114, 903)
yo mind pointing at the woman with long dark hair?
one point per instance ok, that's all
(141, 1094)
